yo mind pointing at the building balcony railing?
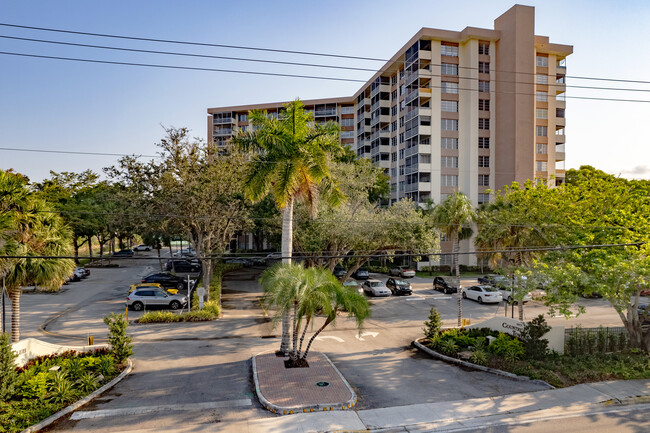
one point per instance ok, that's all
(223, 131)
(326, 112)
(223, 120)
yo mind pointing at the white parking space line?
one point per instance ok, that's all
(161, 408)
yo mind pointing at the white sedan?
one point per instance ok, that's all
(375, 288)
(483, 294)
(507, 295)
(142, 248)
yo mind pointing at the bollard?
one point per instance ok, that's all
(127, 313)
(90, 340)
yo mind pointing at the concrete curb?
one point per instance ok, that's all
(87, 399)
(467, 364)
(308, 408)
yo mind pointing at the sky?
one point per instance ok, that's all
(84, 107)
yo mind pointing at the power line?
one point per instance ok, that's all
(310, 53)
(71, 152)
(339, 256)
(274, 74)
(202, 44)
(189, 68)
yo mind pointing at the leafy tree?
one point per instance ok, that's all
(8, 374)
(33, 231)
(536, 347)
(454, 217)
(433, 325)
(304, 293)
(290, 159)
(119, 340)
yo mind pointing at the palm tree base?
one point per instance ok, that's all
(281, 354)
(298, 363)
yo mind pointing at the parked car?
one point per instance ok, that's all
(444, 285)
(361, 274)
(242, 261)
(77, 275)
(399, 287)
(645, 292)
(142, 248)
(644, 313)
(123, 253)
(273, 257)
(339, 271)
(375, 288)
(352, 285)
(167, 281)
(494, 280)
(185, 252)
(148, 297)
(506, 293)
(183, 265)
(402, 271)
(133, 287)
(81, 272)
(483, 294)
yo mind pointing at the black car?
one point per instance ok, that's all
(184, 265)
(123, 253)
(167, 281)
(442, 285)
(494, 280)
(399, 287)
(361, 274)
(339, 271)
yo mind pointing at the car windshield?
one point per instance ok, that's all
(401, 283)
(375, 283)
(350, 283)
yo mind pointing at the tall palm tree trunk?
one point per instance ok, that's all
(14, 295)
(454, 250)
(287, 251)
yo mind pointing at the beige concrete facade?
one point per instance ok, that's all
(465, 111)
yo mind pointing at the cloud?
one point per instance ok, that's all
(637, 172)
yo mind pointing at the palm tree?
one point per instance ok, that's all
(290, 159)
(304, 293)
(454, 217)
(31, 232)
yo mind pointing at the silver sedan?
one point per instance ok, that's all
(375, 288)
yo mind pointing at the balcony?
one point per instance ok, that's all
(329, 112)
(223, 131)
(223, 120)
(380, 88)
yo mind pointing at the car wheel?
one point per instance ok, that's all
(509, 300)
(137, 306)
(447, 291)
(480, 300)
(174, 305)
(464, 295)
(180, 286)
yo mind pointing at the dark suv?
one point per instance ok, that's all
(184, 266)
(443, 285)
(167, 281)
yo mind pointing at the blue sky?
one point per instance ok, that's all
(47, 104)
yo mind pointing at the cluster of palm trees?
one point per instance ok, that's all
(31, 235)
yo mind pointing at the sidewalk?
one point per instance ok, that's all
(455, 415)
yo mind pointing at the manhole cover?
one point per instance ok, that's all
(322, 384)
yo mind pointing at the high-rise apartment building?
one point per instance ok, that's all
(452, 111)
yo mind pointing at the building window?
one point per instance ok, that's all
(401, 74)
(449, 106)
(541, 113)
(393, 79)
(393, 187)
(484, 104)
(347, 122)
(393, 141)
(484, 161)
(542, 79)
(483, 198)
(484, 48)
(541, 96)
(393, 126)
(542, 61)
(484, 67)
(541, 165)
(347, 110)
(559, 112)
(449, 69)
(484, 142)
(449, 124)
(449, 143)
(401, 170)
(449, 50)
(425, 158)
(447, 87)
(448, 180)
(401, 122)
(401, 155)
(542, 131)
(449, 162)
(393, 158)
(483, 123)
(402, 105)
(401, 137)
(347, 134)
(243, 117)
(483, 86)
(542, 148)
(393, 110)
(483, 180)
(393, 95)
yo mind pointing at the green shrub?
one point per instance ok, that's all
(74, 367)
(199, 316)
(119, 340)
(448, 347)
(479, 356)
(507, 347)
(8, 374)
(62, 391)
(87, 382)
(432, 326)
(35, 386)
(160, 317)
(106, 366)
(535, 346)
(213, 308)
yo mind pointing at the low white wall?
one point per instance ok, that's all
(31, 348)
(555, 336)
